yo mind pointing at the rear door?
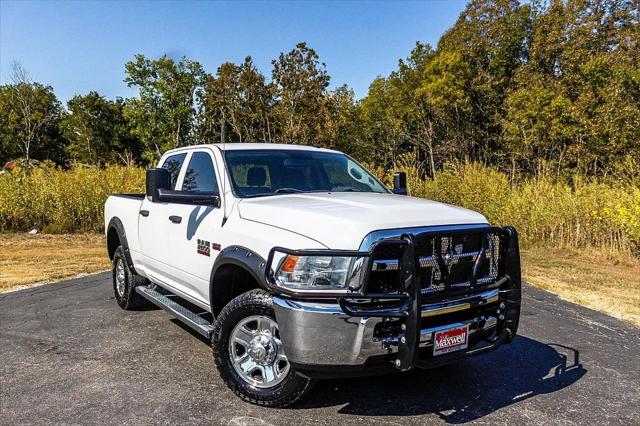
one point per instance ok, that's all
(153, 222)
(195, 242)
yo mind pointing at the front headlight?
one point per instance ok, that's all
(319, 272)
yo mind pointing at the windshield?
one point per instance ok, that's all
(263, 172)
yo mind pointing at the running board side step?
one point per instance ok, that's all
(188, 317)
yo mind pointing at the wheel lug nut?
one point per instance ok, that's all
(503, 305)
(403, 340)
(397, 363)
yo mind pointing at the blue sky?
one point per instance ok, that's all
(81, 46)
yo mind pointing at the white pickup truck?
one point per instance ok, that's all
(298, 264)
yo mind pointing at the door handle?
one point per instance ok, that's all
(144, 213)
(175, 219)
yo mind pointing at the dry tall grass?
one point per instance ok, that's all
(56, 201)
(576, 214)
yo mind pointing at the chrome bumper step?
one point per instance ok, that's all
(188, 317)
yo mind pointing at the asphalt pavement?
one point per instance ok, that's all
(70, 355)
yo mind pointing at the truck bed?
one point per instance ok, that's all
(126, 207)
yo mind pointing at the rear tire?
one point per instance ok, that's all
(125, 282)
(249, 356)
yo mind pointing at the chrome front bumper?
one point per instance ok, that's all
(322, 334)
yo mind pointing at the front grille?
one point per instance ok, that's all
(446, 263)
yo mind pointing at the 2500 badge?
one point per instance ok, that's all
(204, 248)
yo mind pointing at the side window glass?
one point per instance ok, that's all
(173, 164)
(200, 176)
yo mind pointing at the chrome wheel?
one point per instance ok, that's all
(256, 352)
(120, 277)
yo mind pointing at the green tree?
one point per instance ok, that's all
(420, 111)
(96, 131)
(524, 86)
(29, 115)
(235, 105)
(220, 103)
(481, 54)
(582, 83)
(163, 116)
(382, 133)
(447, 104)
(539, 126)
(256, 103)
(300, 83)
(341, 127)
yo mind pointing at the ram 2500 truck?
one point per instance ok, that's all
(298, 264)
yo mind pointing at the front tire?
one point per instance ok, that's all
(125, 283)
(249, 355)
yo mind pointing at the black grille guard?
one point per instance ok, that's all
(405, 303)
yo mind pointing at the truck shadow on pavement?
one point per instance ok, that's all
(457, 393)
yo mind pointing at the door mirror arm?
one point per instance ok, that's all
(188, 197)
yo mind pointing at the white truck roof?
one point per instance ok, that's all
(245, 146)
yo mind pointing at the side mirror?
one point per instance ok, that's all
(400, 183)
(157, 179)
(188, 197)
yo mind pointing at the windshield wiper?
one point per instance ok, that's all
(346, 189)
(297, 191)
(287, 190)
(277, 191)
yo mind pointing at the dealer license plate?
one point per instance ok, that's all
(451, 340)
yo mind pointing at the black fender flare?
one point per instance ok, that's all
(244, 258)
(116, 223)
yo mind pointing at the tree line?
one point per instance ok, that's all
(526, 87)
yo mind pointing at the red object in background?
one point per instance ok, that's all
(10, 165)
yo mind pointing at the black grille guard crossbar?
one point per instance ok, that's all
(404, 304)
(408, 263)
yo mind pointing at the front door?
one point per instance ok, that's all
(194, 241)
(153, 218)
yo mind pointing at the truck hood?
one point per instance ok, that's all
(341, 220)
